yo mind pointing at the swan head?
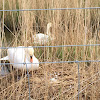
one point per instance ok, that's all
(49, 25)
(30, 53)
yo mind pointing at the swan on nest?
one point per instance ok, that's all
(22, 55)
(41, 38)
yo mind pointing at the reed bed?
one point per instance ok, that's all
(70, 27)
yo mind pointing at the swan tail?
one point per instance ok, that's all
(5, 58)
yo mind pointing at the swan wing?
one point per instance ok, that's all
(5, 58)
(40, 38)
(16, 55)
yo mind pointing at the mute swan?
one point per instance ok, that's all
(41, 38)
(22, 55)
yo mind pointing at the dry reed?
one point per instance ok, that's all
(70, 27)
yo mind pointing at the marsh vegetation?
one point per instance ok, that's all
(70, 27)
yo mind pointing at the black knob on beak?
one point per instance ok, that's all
(31, 57)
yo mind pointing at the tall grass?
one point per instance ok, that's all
(70, 27)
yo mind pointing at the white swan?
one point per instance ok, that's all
(41, 38)
(22, 55)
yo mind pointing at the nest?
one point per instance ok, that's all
(14, 86)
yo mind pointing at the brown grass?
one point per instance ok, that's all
(70, 27)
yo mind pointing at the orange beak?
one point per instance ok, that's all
(31, 59)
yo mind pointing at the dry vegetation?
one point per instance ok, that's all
(70, 27)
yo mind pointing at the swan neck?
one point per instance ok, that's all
(48, 30)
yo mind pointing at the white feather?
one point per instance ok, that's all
(5, 58)
(41, 38)
(18, 55)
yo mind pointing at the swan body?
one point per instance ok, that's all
(22, 55)
(41, 38)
